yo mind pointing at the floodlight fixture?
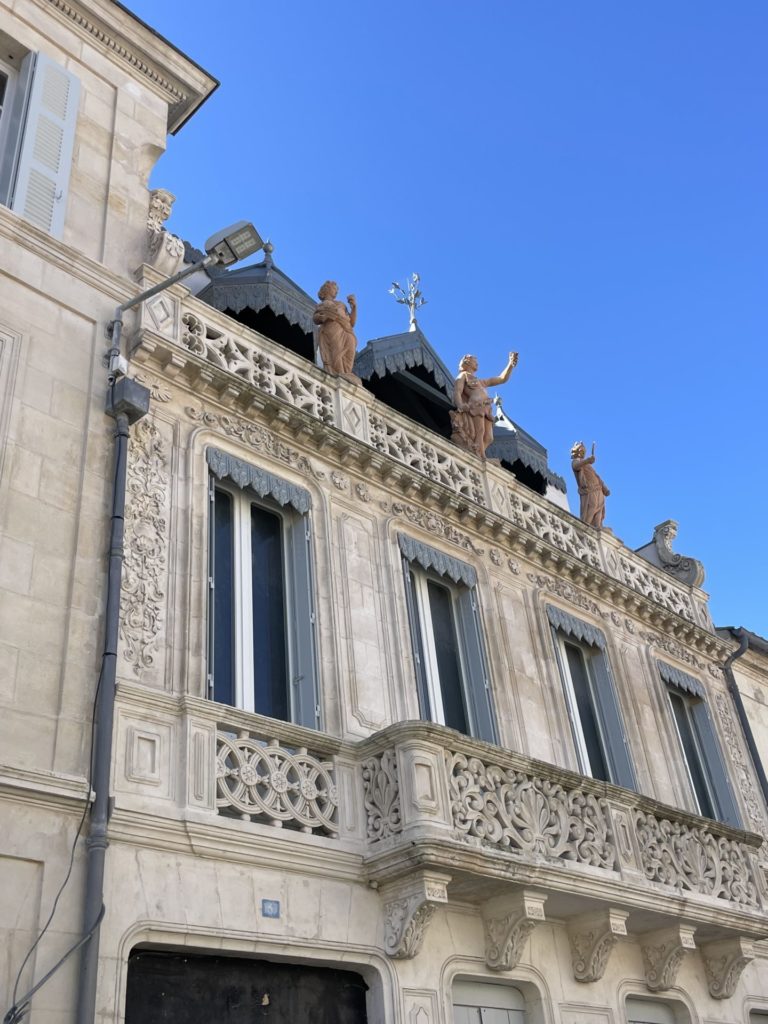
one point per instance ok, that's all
(234, 243)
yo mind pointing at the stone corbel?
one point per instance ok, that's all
(724, 961)
(409, 906)
(663, 952)
(506, 935)
(592, 938)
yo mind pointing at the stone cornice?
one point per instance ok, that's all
(137, 48)
(52, 790)
(64, 258)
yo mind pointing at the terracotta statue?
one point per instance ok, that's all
(472, 420)
(165, 252)
(592, 490)
(336, 336)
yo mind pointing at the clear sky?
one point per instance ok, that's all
(586, 183)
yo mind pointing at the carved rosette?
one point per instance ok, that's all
(663, 953)
(724, 962)
(506, 936)
(381, 795)
(592, 939)
(408, 909)
(146, 542)
(520, 812)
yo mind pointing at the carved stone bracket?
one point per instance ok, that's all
(724, 961)
(663, 952)
(592, 938)
(505, 936)
(408, 908)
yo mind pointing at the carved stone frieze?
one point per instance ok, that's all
(663, 643)
(506, 935)
(663, 952)
(746, 784)
(564, 589)
(381, 795)
(253, 435)
(146, 545)
(253, 366)
(523, 813)
(432, 523)
(724, 962)
(408, 909)
(267, 783)
(419, 454)
(592, 938)
(695, 860)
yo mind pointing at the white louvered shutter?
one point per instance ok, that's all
(45, 159)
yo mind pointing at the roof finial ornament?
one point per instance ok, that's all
(411, 297)
(268, 250)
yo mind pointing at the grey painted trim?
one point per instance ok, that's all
(437, 561)
(583, 631)
(681, 680)
(265, 484)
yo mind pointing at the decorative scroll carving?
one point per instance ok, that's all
(265, 484)
(723, 962)
(146, 542)
(244, 359)
(381, 795)
(695, 860)
(746, 784)
(663, 643)
(525, 814)
(592, 939)
(663, 952)
(555, 528)
(273, 785)
(420, 455)
(257, 437)
(157, 389)
(659, 552)
(431, 523)
(567, 592)
(429, 558)
(408, 910)
(652, 585)
(506, 936)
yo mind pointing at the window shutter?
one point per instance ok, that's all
(301, 634)
(39, 192)
(714, 766)
(622, 772)
(478, 689)
(417, 647)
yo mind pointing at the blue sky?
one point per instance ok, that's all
(586, 183)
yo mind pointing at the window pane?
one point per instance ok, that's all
(223, 618)
(418, 645)
(447, 656)
(589, 727)
(691, 753)
(270, 661)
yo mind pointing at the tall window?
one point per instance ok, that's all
(596, 723)
(261, 649)
(704, 766)
(446, 640)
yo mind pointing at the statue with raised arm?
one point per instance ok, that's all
(472, 419)
(336, 337)
(592, 490)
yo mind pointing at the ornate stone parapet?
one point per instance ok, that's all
(592, 938)
(409, 907)
(663, 953)
(508, 922)
(723, 962)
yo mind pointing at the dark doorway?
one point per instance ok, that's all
(176, 988)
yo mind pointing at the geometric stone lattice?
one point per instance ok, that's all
(267, 783)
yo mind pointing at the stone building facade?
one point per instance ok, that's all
(388, 720)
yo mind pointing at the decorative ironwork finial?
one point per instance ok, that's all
(268, 250)
(411, 296)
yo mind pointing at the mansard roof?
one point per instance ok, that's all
(513, 444)
(402, 352)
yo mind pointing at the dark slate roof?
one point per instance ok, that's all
(394, 352)
(259, 286)
(512, 443)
